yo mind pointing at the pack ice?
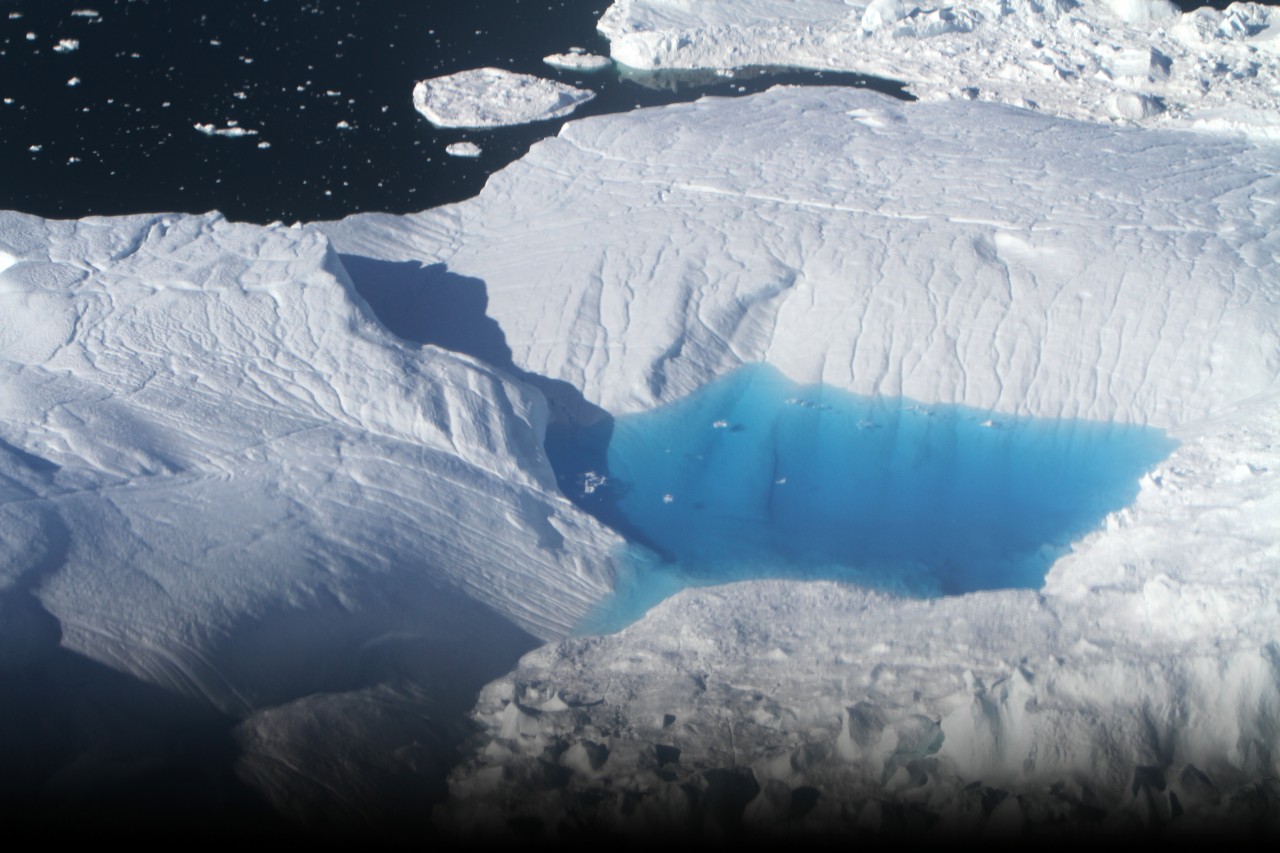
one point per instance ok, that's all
(949, 252)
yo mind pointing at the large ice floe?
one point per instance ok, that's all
(1123, 60)
(297, 475)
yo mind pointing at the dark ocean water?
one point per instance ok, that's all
(326, 84)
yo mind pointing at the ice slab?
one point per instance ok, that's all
(492, 97)
(463, 149)
(586, 62)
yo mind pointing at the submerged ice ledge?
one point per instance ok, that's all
(756, 476)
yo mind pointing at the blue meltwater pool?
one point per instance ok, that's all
(754, 476)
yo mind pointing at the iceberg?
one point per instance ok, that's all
(492, 97)
(1060, 57)
(954, 253)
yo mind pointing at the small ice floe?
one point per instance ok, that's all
(66, 45)
(31, 36)
(719, 424)
(85, 13)
(578, 61)
(991, 424)
(781, 481)
(344, 125)
(232, 129)
(668, 498)
(74, 81)
(807, 404)
(592, 481)
(35, 149)
(463, 149)
(264, 144)
(491, 97)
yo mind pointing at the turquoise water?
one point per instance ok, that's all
(755, 476)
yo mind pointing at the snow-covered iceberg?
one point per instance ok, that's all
(951, 252)
(1127, 60)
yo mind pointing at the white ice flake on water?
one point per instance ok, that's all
(584, 62)
(66, 45)
(463, 149)
(492, 97)
(232, 130)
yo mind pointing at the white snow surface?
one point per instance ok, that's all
(224, 477)
(493, 97)
(956, 253)
(949, 252)
(1207, 69)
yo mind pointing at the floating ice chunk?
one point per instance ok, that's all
(720, 424)
(587, 62)
(66, 45)
(882, 13)
(1135, 11)
(463, 149)
(668, 498)
(591, 481)
(85, 13)
(1144, 63)
(491, 97)
(1134, 106)
(231, 130)
(74, 81)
